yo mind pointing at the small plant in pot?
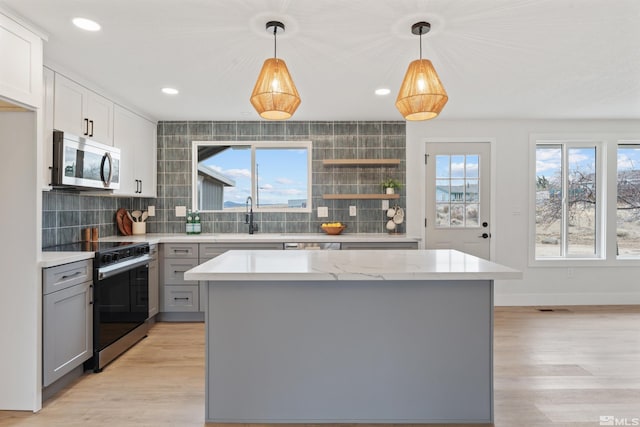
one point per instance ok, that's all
(390, 185)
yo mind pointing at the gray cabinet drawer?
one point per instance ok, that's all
(174, 270)
(212, 250)
(379, 245)
(181, 250)
(66, 275)
(181, 298)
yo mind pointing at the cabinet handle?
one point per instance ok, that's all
(71, 275)
(179, 271)
(186, 251)
(91, 133)
(86, 127)
(181, 299)
(140, 187)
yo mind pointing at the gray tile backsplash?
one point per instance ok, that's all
(330, 140)
(66, 213)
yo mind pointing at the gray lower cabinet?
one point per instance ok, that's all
(67, 319)
(179, 295)
(154, 282)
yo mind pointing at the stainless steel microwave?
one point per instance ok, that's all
(82, 163)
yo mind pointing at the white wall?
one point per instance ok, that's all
(20, 293)
(593, 284)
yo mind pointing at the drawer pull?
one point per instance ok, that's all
(179, 271)
(181, 299)
(185, 251)
(71, 275)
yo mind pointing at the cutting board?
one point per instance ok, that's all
(124, 222)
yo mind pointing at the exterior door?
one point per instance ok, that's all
(458, 197)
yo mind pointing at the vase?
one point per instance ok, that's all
(390, 190)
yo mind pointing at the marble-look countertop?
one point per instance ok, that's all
(312, 265)
(262, 237)
(51, 259)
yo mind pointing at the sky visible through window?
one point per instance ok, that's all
(281, 180)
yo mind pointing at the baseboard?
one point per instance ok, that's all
(180, 317)
(595, 298)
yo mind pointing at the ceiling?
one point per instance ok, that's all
(496, 58)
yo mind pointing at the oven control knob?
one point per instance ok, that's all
(147, 249)
(106, 258)
(115, 256)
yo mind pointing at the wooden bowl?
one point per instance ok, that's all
(333, 230)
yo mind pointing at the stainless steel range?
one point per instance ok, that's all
(120, 297)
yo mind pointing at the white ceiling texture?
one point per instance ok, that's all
(496, 58)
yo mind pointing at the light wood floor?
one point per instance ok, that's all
(562, 368)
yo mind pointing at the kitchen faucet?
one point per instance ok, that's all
(248, 217)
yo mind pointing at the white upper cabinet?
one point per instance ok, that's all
(135, 136)
(21, 70)
(48, 79)
(82, 112)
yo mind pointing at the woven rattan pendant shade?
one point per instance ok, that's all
(421, 96)
(275, 96)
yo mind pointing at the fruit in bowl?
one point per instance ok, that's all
(333, 227)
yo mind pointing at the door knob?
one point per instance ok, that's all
(484, 235)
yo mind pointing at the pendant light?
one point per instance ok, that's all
(421, 95)
(275, 96)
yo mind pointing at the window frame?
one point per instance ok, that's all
(253, 146)
(602, 200)
(630, 142)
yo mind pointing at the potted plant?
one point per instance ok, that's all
(390, 184)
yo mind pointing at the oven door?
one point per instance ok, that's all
(121, 300)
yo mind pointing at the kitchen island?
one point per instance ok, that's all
(366, 336)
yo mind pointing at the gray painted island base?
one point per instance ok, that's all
(334, 351)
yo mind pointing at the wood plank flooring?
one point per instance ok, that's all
(565, 368)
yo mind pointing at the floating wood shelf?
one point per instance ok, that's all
(360, 196)
(361, 162)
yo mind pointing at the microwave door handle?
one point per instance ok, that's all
(106, 181)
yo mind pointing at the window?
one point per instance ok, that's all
(457, 191)
(628, 201)
(276, 175)
(567, 200)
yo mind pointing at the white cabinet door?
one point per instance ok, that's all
(146, 165)
(81, 112)
(100, 114)
(21, 70)
(68, 107)
(47, 138)
(124, 130)
(67, 330)
(136, 138)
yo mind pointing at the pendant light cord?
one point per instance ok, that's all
(275, 41)
(421, 43)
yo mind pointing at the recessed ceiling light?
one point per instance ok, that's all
(169, 91)
(383, 91)
(86, 24)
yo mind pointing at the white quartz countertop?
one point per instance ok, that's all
(308, 265)
(51, 259)
(264, 237)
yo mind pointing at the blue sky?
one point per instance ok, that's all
(282, 173)
(548, 160)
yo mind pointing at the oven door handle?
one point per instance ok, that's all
(112, 270)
